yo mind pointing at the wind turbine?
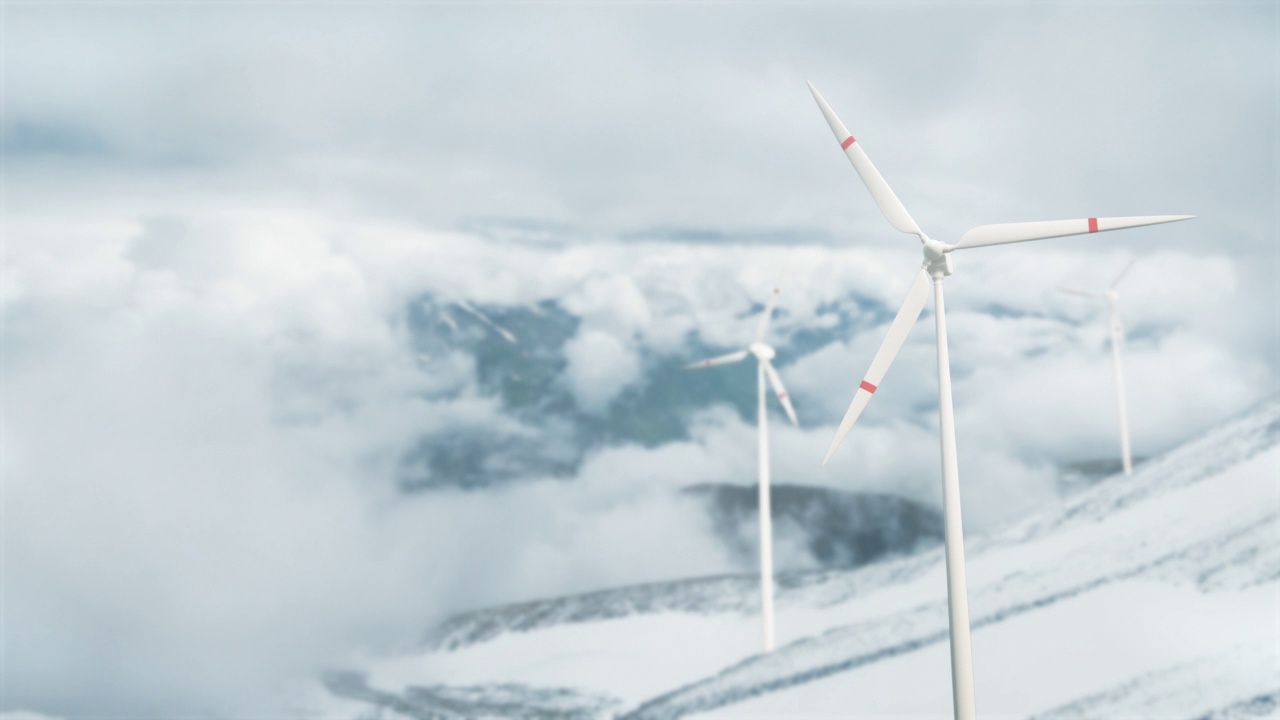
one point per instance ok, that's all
(1117, 339)
(937, 265)
(764, 368)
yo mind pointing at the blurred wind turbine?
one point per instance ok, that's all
(937, 265)
(764, 368)
(1117, 340)
(474, 312)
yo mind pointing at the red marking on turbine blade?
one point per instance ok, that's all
(782, 396)
(777, 290)
(1093, 224)
(707, 363)
(845, 145)
(868, 387)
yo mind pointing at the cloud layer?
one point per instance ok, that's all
(203, 436)
(215, 240)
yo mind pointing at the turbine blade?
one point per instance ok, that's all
(1120, 277)
(776, 381)
(1085, 293)
(732, 357)
(1020, 232)
(767, 317)
(902, 324)
(505, 333)
(894, 211)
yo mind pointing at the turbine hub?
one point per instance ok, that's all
(934, 250)
(1112, 296)
(762, 351)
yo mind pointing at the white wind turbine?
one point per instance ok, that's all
(764, 368)
(1117, 340)
(937, 265)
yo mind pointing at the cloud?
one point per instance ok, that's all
(171, 497)
(600, 366)
(200, 462)
(675, 130)
(213, 239)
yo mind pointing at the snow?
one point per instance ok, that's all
(1039, 661)
(617, 655)
(1156, 595)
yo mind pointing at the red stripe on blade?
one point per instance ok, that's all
(1093, 224)
(782, 396)
(845, 145)
(868, 387)
(708, 362)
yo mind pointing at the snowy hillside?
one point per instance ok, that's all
(1149, 596)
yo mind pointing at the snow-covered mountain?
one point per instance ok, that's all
(1156, 595)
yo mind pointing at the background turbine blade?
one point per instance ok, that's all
(776, 381)
(1021, 232)
(1077, 291)
(732, 357)
(902, 324)
(1122, 273)
(894, 211)
(767, 316)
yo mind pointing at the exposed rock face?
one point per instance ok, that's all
(835, 529)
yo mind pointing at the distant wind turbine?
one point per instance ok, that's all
(937, 265)
(1117, 340)
(764, 368)
(476, 313)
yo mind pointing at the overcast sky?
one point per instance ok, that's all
(214, 215)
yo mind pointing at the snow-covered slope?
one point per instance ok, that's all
(1156, 595)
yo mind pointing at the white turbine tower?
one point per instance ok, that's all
(937, 265)
(764, 369)
(1117, 341)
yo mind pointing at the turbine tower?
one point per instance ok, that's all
(1117, 341)
(936, 266)
(764, 369)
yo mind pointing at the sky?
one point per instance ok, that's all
(217, 216)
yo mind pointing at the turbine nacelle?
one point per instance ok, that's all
(762, 351)
(933, 249)
(764, 355)
(937, 256)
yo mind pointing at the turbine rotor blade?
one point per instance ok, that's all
(1021, 232)
(726, 359)
(776, 381)
(1122, 273)
(902, 324)
(1085, 293)
(767, 317)
(894, 211)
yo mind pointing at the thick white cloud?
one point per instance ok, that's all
(610, 303)
(602, 357)
(600, 366)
